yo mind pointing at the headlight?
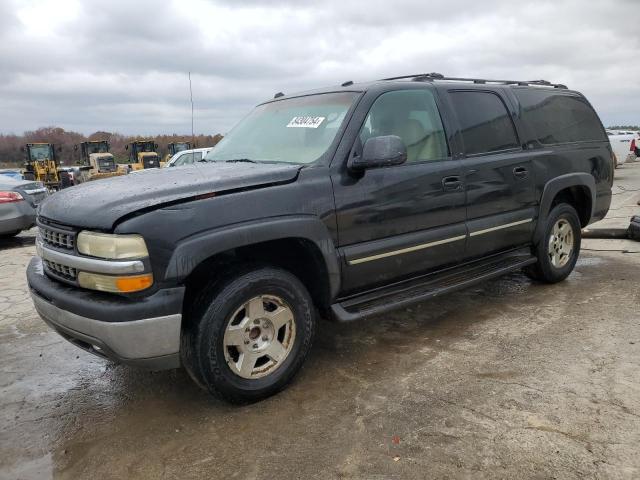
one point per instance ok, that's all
(110, 246)
(109, 283)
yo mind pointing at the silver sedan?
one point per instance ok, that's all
(19, 200)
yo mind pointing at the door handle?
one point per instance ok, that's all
(520, 172)
(451, 183)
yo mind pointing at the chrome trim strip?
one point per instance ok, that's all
(500, 227)
(86, 264)
(405, 250)
(36, 190)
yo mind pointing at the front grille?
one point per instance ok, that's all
(68, 273)
(57, 238)
(150, 162)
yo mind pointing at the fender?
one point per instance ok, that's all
(554, 186)
(194, 250)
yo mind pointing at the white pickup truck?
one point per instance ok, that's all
(625, 144)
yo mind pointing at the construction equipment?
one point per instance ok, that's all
(96, 160)
(142, 154)
(173, 148)
(41, 164)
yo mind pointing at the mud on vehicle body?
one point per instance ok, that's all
(345, 202)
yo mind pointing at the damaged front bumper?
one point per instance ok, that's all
(142, 332)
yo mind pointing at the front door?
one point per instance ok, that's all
(398, 221)
(501, 203)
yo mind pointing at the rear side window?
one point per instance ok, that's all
(557, 118)
(485, 122)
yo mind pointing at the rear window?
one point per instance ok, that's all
(557, 118)
(485, 122)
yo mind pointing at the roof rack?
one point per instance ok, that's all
(429, 77)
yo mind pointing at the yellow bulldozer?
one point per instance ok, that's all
(142, 154)
(41, 164)
(96, 161)
(173, 148)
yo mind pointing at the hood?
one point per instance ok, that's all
(98, 205)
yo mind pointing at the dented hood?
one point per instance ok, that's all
(99, 204)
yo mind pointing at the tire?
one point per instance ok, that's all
(554, 261)
(261, 304)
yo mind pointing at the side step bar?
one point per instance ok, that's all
(414, 290)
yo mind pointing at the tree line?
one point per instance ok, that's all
(12, 156)
(624, 127)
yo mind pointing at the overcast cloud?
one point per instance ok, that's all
(122, 65)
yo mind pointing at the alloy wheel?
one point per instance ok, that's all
(259, 336)
(561, 243)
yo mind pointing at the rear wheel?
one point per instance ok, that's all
(249, 335)
(559, 247)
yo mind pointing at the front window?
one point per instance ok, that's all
(146, 147)
(40, 152)
(296, 130)
(411, 115)
(97, 148)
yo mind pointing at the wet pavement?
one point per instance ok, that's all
(508, 379)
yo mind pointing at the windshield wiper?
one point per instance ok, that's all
(238, 160)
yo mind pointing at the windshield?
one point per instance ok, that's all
(146, 147)
(40, 152)
(101, 147)
(297, 130)
(179, 147)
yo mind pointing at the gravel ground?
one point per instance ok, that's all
(511, 379)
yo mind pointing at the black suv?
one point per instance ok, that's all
(347, 201)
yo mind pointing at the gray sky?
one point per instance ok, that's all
(122, 65)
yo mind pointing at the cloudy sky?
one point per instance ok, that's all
(122, 65)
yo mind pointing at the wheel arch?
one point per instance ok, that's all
(577, 189)
(302, 245)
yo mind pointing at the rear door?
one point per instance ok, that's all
(499, 182)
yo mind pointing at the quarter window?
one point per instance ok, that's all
(559, 118)
(413, 116)
(485, 122)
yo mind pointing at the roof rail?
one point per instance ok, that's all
(429, 77)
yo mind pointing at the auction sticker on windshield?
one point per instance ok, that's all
(305, 122)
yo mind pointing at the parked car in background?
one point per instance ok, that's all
(624, 146)
(188, 157)
(18, 202)
(12, 173)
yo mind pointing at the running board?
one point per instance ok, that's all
(414, 290)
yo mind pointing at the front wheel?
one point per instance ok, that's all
(557, 251)
(249, 335)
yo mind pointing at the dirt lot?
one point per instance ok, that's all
(511, 379)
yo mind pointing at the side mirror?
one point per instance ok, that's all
(75, 147)
(126, 147)
(383, 151)
(155, 146)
